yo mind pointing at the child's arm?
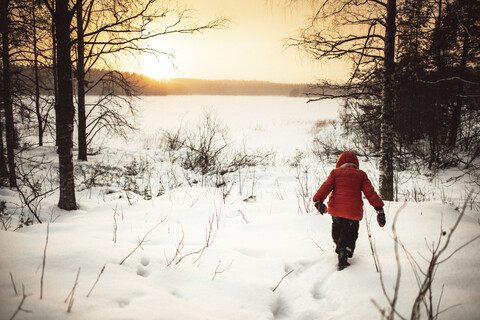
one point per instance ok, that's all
(374, 200)
(325, 188)
(370, 194)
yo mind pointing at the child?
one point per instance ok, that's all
(345, 204)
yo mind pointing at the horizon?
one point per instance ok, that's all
(250, 48)
(167, 80)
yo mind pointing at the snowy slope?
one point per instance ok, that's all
(270, 257)
(256, 255)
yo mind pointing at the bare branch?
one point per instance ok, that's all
(98, 278)
(19, 308)
(218, 271)
(72, 293)
(278, 284)
(43, 263)
(141, 242)
(13, 283)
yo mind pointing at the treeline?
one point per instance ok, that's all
(414, 91)
(51, 52)
(149, 86)
(143, 85)
(436, 87)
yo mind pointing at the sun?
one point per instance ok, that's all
(157, 67)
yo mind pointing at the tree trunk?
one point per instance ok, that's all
(387, 133)
(82, 126)
(64, 109)
(54, 73)
(3, 163)
(457, 107)
(36, 77)
(7, 94)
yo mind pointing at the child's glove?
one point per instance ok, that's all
(320, 207)
(380, 216)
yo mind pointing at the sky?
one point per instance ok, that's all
(252, 47)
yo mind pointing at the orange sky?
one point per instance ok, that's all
(251, 48)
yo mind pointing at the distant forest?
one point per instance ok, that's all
(147, 86)
(143, 85)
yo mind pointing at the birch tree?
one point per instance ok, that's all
(363, 32)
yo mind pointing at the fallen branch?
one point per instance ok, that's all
(140, 243)
(278, 284)
(98, 278)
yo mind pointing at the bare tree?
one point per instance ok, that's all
(365, 33)
(62, 13)
(466, 21)
(107, 29)
(32, 86)
(6, 8)
(388, 96)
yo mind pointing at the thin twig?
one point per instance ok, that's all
(98, 278)
(437, 250)
(19, 308)
(179, 248)
(72, 293)
(13, 283)
(143, 239)
(115, 227)
(370, 240)
(44, 260)
(392, 300)
(217, 271)
(243, 216)
(209, 237)
(278, 284)
(316, 243)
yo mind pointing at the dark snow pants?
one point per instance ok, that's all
(344, 234)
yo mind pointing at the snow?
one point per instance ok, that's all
(270, 242)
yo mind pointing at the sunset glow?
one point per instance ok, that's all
(158, 67)
(252, 47)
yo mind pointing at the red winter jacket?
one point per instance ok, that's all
(347, 182)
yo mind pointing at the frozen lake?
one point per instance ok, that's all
(280, 124)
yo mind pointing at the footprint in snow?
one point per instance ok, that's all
(145, 261)
(123, 302)
(300, 266)
(279, 308)
(316, 291)
(142, 269)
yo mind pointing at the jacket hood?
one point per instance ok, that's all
(347, 157)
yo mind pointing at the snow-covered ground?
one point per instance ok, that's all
(252, 249)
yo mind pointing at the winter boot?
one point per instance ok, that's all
(342, 260)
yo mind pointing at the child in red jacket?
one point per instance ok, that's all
(346, 183)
